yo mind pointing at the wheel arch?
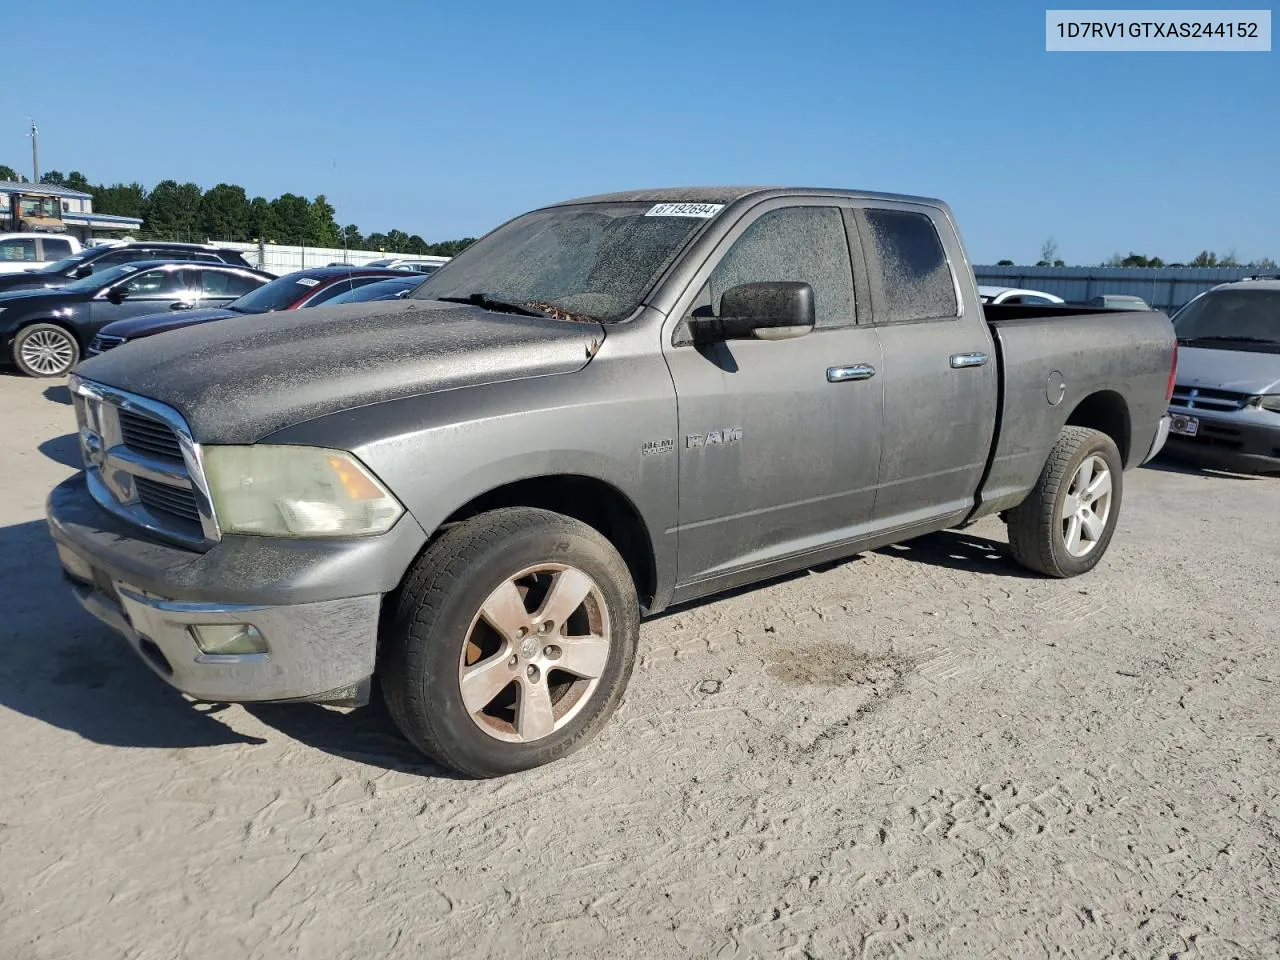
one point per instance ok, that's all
(597, 503)
(1107, 412)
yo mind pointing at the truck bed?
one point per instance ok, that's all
(1066, 363)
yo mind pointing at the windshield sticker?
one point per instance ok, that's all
(703, 211)
(308, 281)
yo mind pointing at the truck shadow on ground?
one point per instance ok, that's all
(1189, 468)
(58, 394)
(62, 667)
(65, 669)
(960, 550)
(64, 450)
(366, 734)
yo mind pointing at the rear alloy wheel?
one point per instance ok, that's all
(45, 350)
(1065, 524)
(511, 641)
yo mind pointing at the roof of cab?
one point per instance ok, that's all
(723, 194)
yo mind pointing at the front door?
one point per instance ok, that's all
(940, 369)
(149, 291)
(779, 440)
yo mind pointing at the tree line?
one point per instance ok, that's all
(1205, 258)
(182, 211)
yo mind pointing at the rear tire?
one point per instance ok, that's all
(1065, 524)
(45, 350)
(510, 643)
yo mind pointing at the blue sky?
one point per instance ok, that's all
(444, 119)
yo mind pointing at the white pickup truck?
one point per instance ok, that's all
(28, 251)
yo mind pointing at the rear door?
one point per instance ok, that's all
(779, 443)
(940, 371)
(220, 287)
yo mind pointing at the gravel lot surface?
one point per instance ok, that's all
(921, 752)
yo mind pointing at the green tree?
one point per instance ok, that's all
(1004, 263)
(53, 178)
(173, 211)
(398, 241)
(324, 228)
(224, 213)
(352, 237)
(8, 173)
(292, 218)
(377, 241)
(1266, 264)
(1205, 258)
(76, 181)
(262, 221)
(120, 199)
(449, 248)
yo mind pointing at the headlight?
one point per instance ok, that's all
(286, 491)
(1270, 402)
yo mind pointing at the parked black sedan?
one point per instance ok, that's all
(92, 259)
(293, 291)
(46, 330)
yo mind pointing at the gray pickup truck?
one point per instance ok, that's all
(599, 409)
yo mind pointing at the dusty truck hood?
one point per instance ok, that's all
(1235, 370)
(240, 379)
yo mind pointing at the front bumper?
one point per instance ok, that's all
(315, 604)
(1232, 442)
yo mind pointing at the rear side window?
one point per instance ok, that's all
(215, 283)
(906, 261)
(17, 250)
(56, 249)
(793, 244)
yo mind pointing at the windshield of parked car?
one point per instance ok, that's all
(383, 289)
(595, 260)
(280, 294)
(66, 263)
(1226, 316)
(99, 279)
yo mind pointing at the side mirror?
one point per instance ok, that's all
(763, 311)
(117, 294)
(84, 270)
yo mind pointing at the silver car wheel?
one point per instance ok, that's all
(534, 653)
(48, 352)
(1086, 507)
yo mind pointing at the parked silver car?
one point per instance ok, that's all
(1226, 403)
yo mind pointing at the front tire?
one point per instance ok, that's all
(1065, 524)
(45, 350)
(510, 643)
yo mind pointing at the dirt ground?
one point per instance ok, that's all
(921, 752)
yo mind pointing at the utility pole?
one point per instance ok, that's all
(35, 152)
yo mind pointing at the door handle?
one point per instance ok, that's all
(960, 360)
(858, 371)
(180, 305)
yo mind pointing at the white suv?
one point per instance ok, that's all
(27, 251)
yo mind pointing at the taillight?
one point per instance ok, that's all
(1173, 373)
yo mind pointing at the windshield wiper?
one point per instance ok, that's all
(490, 303)
(1226, 340)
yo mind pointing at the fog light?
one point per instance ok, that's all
(228, 638)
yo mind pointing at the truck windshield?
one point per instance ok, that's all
(1231, 316)
(593, 260)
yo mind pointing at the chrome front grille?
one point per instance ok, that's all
(1207, 399)
(142, 464)
(149, 436)
(102, 343)
(173, 500)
